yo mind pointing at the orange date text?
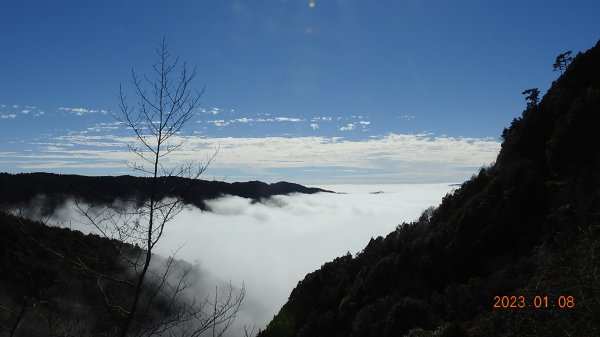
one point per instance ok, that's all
(536, 302)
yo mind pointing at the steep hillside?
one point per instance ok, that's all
(527, 226)
(42, 292)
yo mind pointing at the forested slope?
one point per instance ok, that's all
(528, 225)
(51, 190)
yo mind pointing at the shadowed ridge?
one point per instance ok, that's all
(529, 225)
(57, 188)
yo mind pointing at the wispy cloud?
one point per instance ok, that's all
(394, 157)
(82, 111)
(218, 122)
(215, 110)
(324, 118)
(246, 120)
(27, 109)
(104, 127)
(348, 127)
(288, 119)
(13, 111)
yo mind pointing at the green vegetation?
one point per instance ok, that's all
(562, 61)
(532, 97)
(42, 291)
(123, 289)
(528, 225)
(49, 191)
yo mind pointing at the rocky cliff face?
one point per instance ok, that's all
(527, 226)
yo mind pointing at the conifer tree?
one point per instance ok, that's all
(532, 97)
(562, 61)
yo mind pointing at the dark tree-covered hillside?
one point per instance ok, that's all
(54, 189)
(42, 293)
(526, 226)
(59, 282)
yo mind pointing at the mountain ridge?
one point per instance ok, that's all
(22, 188)
(526, 226)
(508, 231)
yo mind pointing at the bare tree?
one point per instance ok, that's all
(159, 301)
(138, 293)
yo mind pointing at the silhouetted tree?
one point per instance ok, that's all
(157, 303)
(532, 97)
(562, 61)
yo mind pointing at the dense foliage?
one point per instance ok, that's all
(41, 292)
(49, 190)
(528, 225)
(54, 281)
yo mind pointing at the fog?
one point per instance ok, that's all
(269, 246)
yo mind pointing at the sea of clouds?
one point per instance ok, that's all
(269, 246)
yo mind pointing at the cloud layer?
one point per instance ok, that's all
(272, 245)
(390, 158)
(82, 111)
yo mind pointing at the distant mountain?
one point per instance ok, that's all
(59, 282)
(522, 233)
(23, 188)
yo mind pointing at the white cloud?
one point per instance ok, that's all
(364, 122)
(82, 111)
(348, 127)
(13, 111)
(245, 120)
(314, 126)
(324, 119)
(288, 119)
(55, 149)
(218, 122)
(104, 127)
(272, 245)
(391, 158)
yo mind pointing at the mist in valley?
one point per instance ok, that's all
(269, 246)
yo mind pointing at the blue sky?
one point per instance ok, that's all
(309, 91)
